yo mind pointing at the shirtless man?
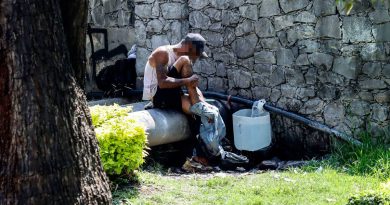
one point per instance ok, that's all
(168, 69)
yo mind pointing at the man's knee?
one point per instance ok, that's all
(183, 64)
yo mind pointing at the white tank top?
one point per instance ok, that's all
(150, 75)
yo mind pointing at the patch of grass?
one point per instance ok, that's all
(289, 187)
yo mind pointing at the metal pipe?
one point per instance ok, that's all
(311, 123)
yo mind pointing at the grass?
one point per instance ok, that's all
(347, 171)
(288, 187)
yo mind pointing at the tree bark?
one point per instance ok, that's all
(48, 150)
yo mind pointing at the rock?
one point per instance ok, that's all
(249, 12)
(143, 11)
(204, 66)
(242, 79)
(230, 17)
(357, 29)
(300, 32)
(214, 14)
(334, 114)
(305, 93)
(312, 106)
(213, 38)
(265, 57)
(275, 95)
(154, 26)
(217, 84)
(156, 9)
(288, 5)
(321, 60)
(140, 31)
(261, 92)
(372, 69)
(383, 97)
(142, 57)
(324, 7)
(302, 60)
(366, 96)
(308, 46)
(228, 36)
(294, 77)
(358, 7)
(176, 32)
(282, 22)
(224, 55)
(270, 43)
(277, 77)
(238, 3)
(284, 57)
(328, 27)
(263, 69)
(359, 108)
(386, 70)
(382, 32)
(220, 4)
(372, 84)
(216, 27)
(174, 11)
(260, 80)
(246, 63)
(269, 8)
(159, 40)
(198, 4)
(373, 51)
(327, 92)
(379, 16)
(244, 28)
(311, 76)
(305, 17)
(379, 112)
(245, 47)
(346, 66)
(199, 20)
(264, 28)
(221, 70)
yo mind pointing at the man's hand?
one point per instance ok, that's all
(193, 81)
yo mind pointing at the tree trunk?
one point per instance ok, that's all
(48, 150)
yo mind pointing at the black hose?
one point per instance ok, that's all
(311, 123)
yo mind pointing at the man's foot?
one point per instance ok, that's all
(149, 105)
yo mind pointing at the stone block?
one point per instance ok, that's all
(302, 60)
(346, 66)
(284, 57)
(282, 22)
(382, 97)
(242, 79)
(205, 66)
(305, 17)
(305, 93)
(214, 14)
(359, 108)
(288, 5)
(311, 76)
(334, 114)
(140, 33)
(220, 4)
(261, 80)
(308, 46)
(277, 77)
(217, 84)
(294, 77)
(143, 11)
(328, 27)
(264, 28)
(213, 38)
(261, 92)
(379, 16)
(175, 33)
(373, 51)
(263, 69)
(372, 69)
(356, 29)
(198, 19)
(372, 84)
(142, 57)
(379, 112)
(382, 32)
(269, 8)
(198, 4)
(154, 26)
(288, 91)
(324, 7)
(228, 36)
(246, 63)
(174, 10)
(321, 60)
(243, 28)
(386, 71)
(156, 9)
(224, 55)
(265, 57)
(230, 17)
(159, 40)
(270, 43)
(249, 12)
(245, 47)
(221, 70)
(313, 106)
(327, 92)
(366, 96)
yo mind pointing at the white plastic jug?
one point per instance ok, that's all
(252, 128)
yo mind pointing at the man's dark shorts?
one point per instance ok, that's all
(169, 98)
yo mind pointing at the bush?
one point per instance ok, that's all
(378, 197)
(122, 141)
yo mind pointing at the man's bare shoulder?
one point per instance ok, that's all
(159, 56)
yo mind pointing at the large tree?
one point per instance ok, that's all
(48, 150)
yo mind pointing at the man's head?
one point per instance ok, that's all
(194, 44)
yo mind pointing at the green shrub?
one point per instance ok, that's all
(122, 141)
(377, 197)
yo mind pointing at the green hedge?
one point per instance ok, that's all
(122, 141)
(377, 197)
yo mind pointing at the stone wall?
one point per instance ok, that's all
(306, 56)
(117, 16)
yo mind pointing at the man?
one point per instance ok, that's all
(168, 69)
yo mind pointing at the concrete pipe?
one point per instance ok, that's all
(163, 126)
